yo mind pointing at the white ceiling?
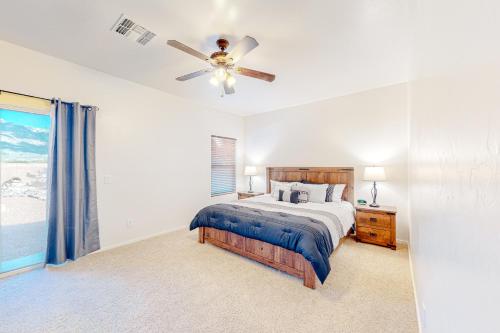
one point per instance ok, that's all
(317, 49)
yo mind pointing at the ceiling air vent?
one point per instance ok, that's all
(129, 29)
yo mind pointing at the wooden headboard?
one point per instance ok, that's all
(318, 175)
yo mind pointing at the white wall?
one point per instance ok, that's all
(455, 165)
(155, 147)
(368, 128)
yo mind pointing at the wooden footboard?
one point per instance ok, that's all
(268, 254)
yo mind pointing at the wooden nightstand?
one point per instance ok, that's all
(244, 195)
(376, 225)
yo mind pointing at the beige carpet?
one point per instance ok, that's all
(173, 284)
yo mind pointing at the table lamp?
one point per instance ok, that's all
(374, 174)
(250, 170)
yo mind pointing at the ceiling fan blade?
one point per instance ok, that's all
(255, 74)
(194, 74)
(228, 89)
(187, 49)
(244, 46)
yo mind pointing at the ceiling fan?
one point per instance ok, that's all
(223, 64)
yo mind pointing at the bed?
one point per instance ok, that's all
(294, 238)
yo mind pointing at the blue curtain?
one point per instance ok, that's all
(71, 204)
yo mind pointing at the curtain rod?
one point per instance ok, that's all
(31, 96)
(16, 93)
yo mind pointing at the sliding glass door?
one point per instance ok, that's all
(23, 174)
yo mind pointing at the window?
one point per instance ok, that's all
(223, 165)
(24, 136)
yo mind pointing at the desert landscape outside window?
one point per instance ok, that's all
(24, 138)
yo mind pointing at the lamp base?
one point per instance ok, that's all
(374, 196)
(250, 185)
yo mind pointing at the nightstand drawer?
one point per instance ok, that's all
(373, 220)
(372, 235)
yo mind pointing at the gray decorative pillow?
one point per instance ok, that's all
(303, 193)
(329, 192)
(289, 196)
(334, 192)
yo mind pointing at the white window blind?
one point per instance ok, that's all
(223, 165)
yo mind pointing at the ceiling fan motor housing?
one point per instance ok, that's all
(222, 43)
(219, 57)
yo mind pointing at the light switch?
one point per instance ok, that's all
(107, 179)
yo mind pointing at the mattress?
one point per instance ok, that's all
(344, 211)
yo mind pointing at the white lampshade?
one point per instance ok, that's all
(250, 170)
(374, 174)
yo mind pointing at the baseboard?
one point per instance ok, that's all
(414, 289)
(135, 240)
(20, 270)
(402, 241)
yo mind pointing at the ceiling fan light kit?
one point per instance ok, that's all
(223, 64)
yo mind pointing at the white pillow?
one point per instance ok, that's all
(275, 183)
(337, 193)
(317, 192)
(277, 186)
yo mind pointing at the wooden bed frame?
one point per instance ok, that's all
(272, 255)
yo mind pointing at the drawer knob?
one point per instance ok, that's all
(372, 234)
(373, 219)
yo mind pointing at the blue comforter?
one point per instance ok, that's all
(303, 235)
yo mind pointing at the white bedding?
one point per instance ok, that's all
(343, 210)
